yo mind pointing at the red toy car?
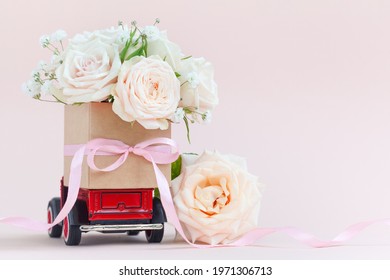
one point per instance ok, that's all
(115, 210)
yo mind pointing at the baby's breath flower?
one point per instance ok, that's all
(36, 73)
(58, 36)
(41, 64)
(56, 60)
(32, 88)
(195, 117)
(25, 89)
(151, 32)
(193, 79)
(123, 35)
(44, 40)
(206, 117)
(47, 88)
(178, 115)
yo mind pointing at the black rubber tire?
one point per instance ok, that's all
(53, 208)
(132, 232)
(72, 233)
(155, 236)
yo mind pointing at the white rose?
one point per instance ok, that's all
(147, 92)
(215, 197)
(199, 90)
(158, 44)
(89, 68)
(113, 35)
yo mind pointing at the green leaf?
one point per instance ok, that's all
(177, 74)
(189, 110)
(128, 44)
(156, 193)
(132, 33)
(176, 168)
(136, 41)
(188, 129)
(124, 51)
(111, 99)
(137, 52)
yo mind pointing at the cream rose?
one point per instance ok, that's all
(147, 91)
(89, 68)
(159, 44)
(199, 90)
(215, 197)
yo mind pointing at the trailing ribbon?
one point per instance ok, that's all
(155, 151)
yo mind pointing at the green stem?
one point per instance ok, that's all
(187, 57)
(188, 129)
(51, 101)
(58, 100)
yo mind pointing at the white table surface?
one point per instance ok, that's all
(21, 244)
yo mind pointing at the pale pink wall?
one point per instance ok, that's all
(304, 89)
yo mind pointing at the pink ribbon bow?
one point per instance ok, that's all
(159, 151)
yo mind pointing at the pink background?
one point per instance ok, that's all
(304, 96)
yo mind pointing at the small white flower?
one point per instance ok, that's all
(44, 40)
(123, 35)
(55, 62)
(193, 79)
(36, 73)
(207, 117)
(25, 89)
(195, 117)
(152, 32)
(57, 36)
(47, 88)
(41, 66)
(178, 115)
(31, 88)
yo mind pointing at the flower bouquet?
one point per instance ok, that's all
(139, 71)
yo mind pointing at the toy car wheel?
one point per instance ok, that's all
(53, 209)
(132, 232)
(72, 233)
(155, 236)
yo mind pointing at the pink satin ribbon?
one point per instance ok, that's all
(159, 151)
